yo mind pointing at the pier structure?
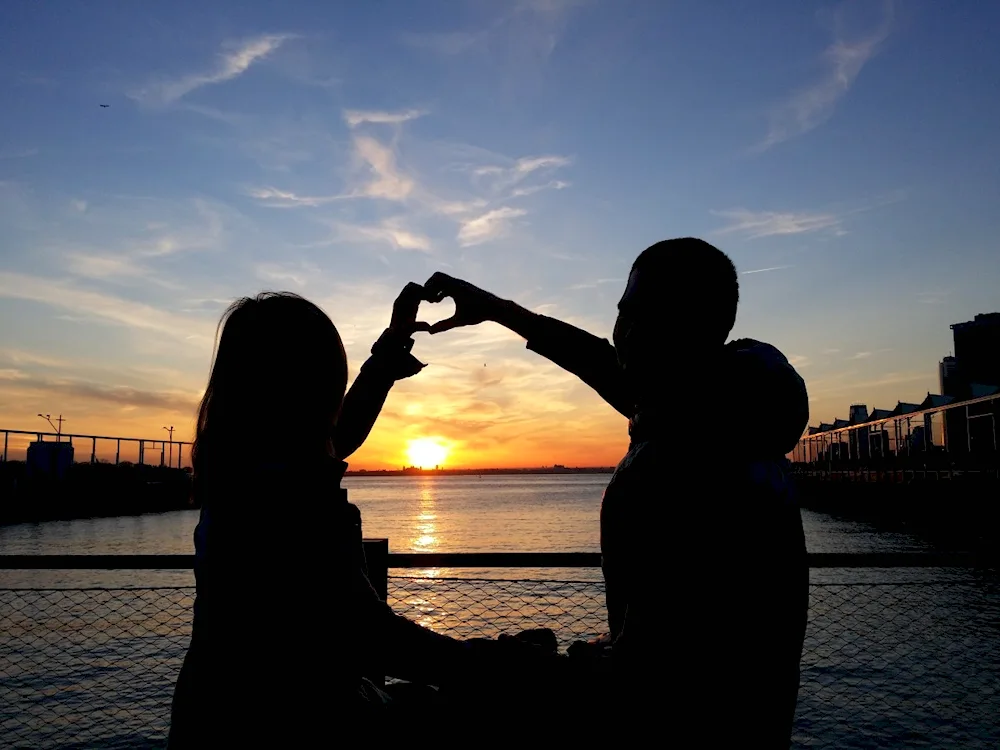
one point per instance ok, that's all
(102, 448)
(938, 434)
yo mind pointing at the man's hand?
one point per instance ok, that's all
(472, 304)
(404, 310)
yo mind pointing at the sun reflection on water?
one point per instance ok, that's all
(425, 528)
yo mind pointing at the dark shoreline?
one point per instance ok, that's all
(415, 472)
(960, 514)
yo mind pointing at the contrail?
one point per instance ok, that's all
(772, 268)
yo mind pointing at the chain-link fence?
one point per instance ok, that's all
(910, 663)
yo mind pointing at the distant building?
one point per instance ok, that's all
(948, 377)
(47, 458)
(977, 350)
(978, 390)
(943, 429)
(935, 400)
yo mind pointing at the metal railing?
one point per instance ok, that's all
(171, 452)
(959, 435)
(902, 652)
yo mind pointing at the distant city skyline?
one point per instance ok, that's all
(973, 373)
(843, 154)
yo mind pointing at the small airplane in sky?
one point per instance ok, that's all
(105, 105)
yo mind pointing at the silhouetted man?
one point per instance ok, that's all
(702, 544)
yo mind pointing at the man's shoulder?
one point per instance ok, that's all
(645, 461)
(770, 396)
(641, 456)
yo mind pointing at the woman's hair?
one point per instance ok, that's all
(276, 387)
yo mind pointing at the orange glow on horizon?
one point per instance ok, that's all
(453, 419)
(427, 452)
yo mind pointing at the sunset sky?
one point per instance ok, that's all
(844, 155)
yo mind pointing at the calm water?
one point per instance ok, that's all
(899, 658)
(416, 514)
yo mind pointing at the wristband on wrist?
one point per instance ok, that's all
(392, 342)
(391, 356)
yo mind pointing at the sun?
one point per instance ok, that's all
(426, 452)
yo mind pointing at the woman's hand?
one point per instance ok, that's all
(404, 310)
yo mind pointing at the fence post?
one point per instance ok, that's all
(377, 562)
(93, 451)
(377, 559)
(118, 450)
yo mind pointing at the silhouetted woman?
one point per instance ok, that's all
(285, 620)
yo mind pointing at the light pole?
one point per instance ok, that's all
(170, 432)
(59, 419)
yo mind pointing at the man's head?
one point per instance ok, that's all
(680, 300)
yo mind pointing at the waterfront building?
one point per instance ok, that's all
(49, 458)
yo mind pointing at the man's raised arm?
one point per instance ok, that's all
(590, 358)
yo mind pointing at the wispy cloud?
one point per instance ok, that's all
(756, 224)
(118, 378)
(375, 172)
(524, 31)
(203, 234)
(235, 119)
(378, 162)
(285, 274)
(66, 296)
(138, 239)
(235, 59)
(79, 206)
(812, 105)
(595, 284)
(766, 270)
(356, 117)
(23, 358)
(798, 360)
(104, 266)
(116, 395)
(271, 196)
(531, 190)
(848, 382)
(500, 178)
(524, 166)
(457, 208)
(867, 354)
(390, 231)
(487, 226)
(529, 164)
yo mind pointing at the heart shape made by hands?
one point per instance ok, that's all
(446, 306)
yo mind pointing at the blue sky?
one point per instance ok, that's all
(843, 154)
